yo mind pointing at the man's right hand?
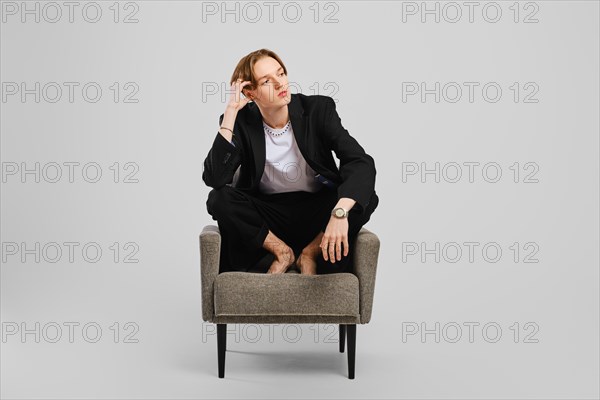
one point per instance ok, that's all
(236, 102)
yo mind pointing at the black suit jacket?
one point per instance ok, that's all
(318, 130)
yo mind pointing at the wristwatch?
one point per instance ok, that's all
(339, 213)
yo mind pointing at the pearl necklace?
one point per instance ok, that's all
(287, 126)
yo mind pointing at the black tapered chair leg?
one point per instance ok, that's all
(221, 347)
(351, 333)
(342, 337)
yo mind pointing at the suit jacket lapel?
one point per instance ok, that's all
(257, 141)
(298, 118)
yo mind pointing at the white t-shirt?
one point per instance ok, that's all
(286, 169)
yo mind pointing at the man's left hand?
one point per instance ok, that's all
(336, 235)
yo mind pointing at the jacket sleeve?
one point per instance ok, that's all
(222, 161)
(357, 168)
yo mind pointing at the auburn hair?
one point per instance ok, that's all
(245, 67)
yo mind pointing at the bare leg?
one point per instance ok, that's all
(284, 255)
(307, 260)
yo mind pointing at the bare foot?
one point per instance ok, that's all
(307, 260)
(283, 261)
(307, 264)
(284, 255)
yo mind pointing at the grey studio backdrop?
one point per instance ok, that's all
(484, 129)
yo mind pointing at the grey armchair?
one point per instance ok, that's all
(255, 298)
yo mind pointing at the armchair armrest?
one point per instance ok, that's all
(210, 255)
(366, 254)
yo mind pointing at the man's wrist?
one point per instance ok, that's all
(339, 213)
(346, 203)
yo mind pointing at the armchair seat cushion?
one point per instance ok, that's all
(254, 296)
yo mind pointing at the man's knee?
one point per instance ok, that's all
(219, 200)
(374, 201)
(356, 219)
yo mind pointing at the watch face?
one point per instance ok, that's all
(339, 212)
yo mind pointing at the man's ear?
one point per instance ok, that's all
(247, 93)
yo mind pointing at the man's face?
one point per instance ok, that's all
(271, 83)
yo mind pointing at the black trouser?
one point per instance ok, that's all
(244, 220)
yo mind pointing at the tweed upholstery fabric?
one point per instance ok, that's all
(210, 247)
(243, 293)
(246, 297)
(286, 319)
(366, 255)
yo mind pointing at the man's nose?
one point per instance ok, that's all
(280, 82)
